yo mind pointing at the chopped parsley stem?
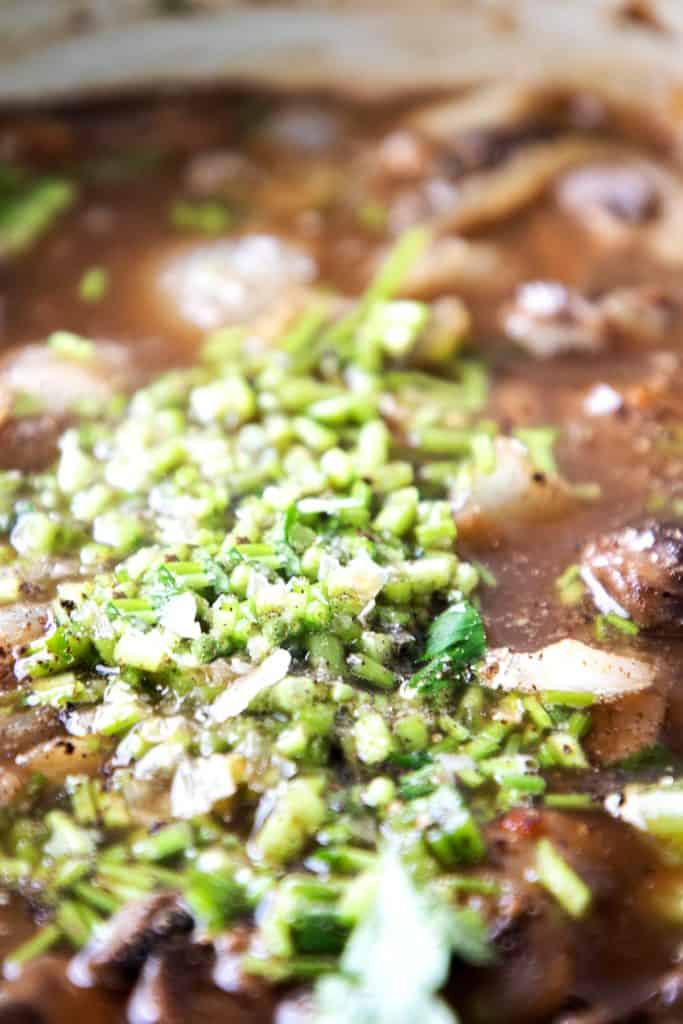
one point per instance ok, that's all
(167, 842)
(570, 801)
(40, 943)
(556, 875)
(371, 671)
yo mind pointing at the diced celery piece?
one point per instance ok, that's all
(298, 812)
(26, 215)
(372, 738)
(148, 651)
(34, 534)
(560, 879)
(93, 284)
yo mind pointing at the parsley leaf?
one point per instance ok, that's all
(455, 639)
(398, 957)
(458, 632)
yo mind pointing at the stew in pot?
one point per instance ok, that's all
(341, 569)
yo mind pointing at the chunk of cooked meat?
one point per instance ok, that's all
(42, 994)
(637, 572)
(548, 319)
(19, 625)
(535, 973)
(25, 729)
(29, 443)
(534, 970)
(115, 957)
(626, 727)
(545, 959)
(166, 988)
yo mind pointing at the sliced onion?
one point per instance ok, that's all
(491, 196)
(568, 666)
(490, 503)
(179, 616)
(493, 106)
(239, 694)
(199, 784)
(57, 382)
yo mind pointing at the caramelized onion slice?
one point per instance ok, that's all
(494, 106)
(239, 694)
(488, 504)
(494, 195)
(568, 666)
(56, 381)
(454, 263)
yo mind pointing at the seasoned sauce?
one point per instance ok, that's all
(215, 732)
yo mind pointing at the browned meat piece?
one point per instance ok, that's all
(548, 319)
(547, 961)
(626, 727)
(115, 958)
(637, 572)
(42, 994)
(175, 986)
(29, 443)
(534, 972)
(25, 729)
(165, 991)
(210, 1005)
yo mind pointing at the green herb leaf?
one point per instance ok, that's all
(396, 959)
(459, 631)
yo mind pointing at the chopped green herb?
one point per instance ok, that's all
(556, 875)
(93, 284)
(398, 957)
(207, 218)
(28, 210)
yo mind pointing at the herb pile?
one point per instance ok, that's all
(269, 637)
